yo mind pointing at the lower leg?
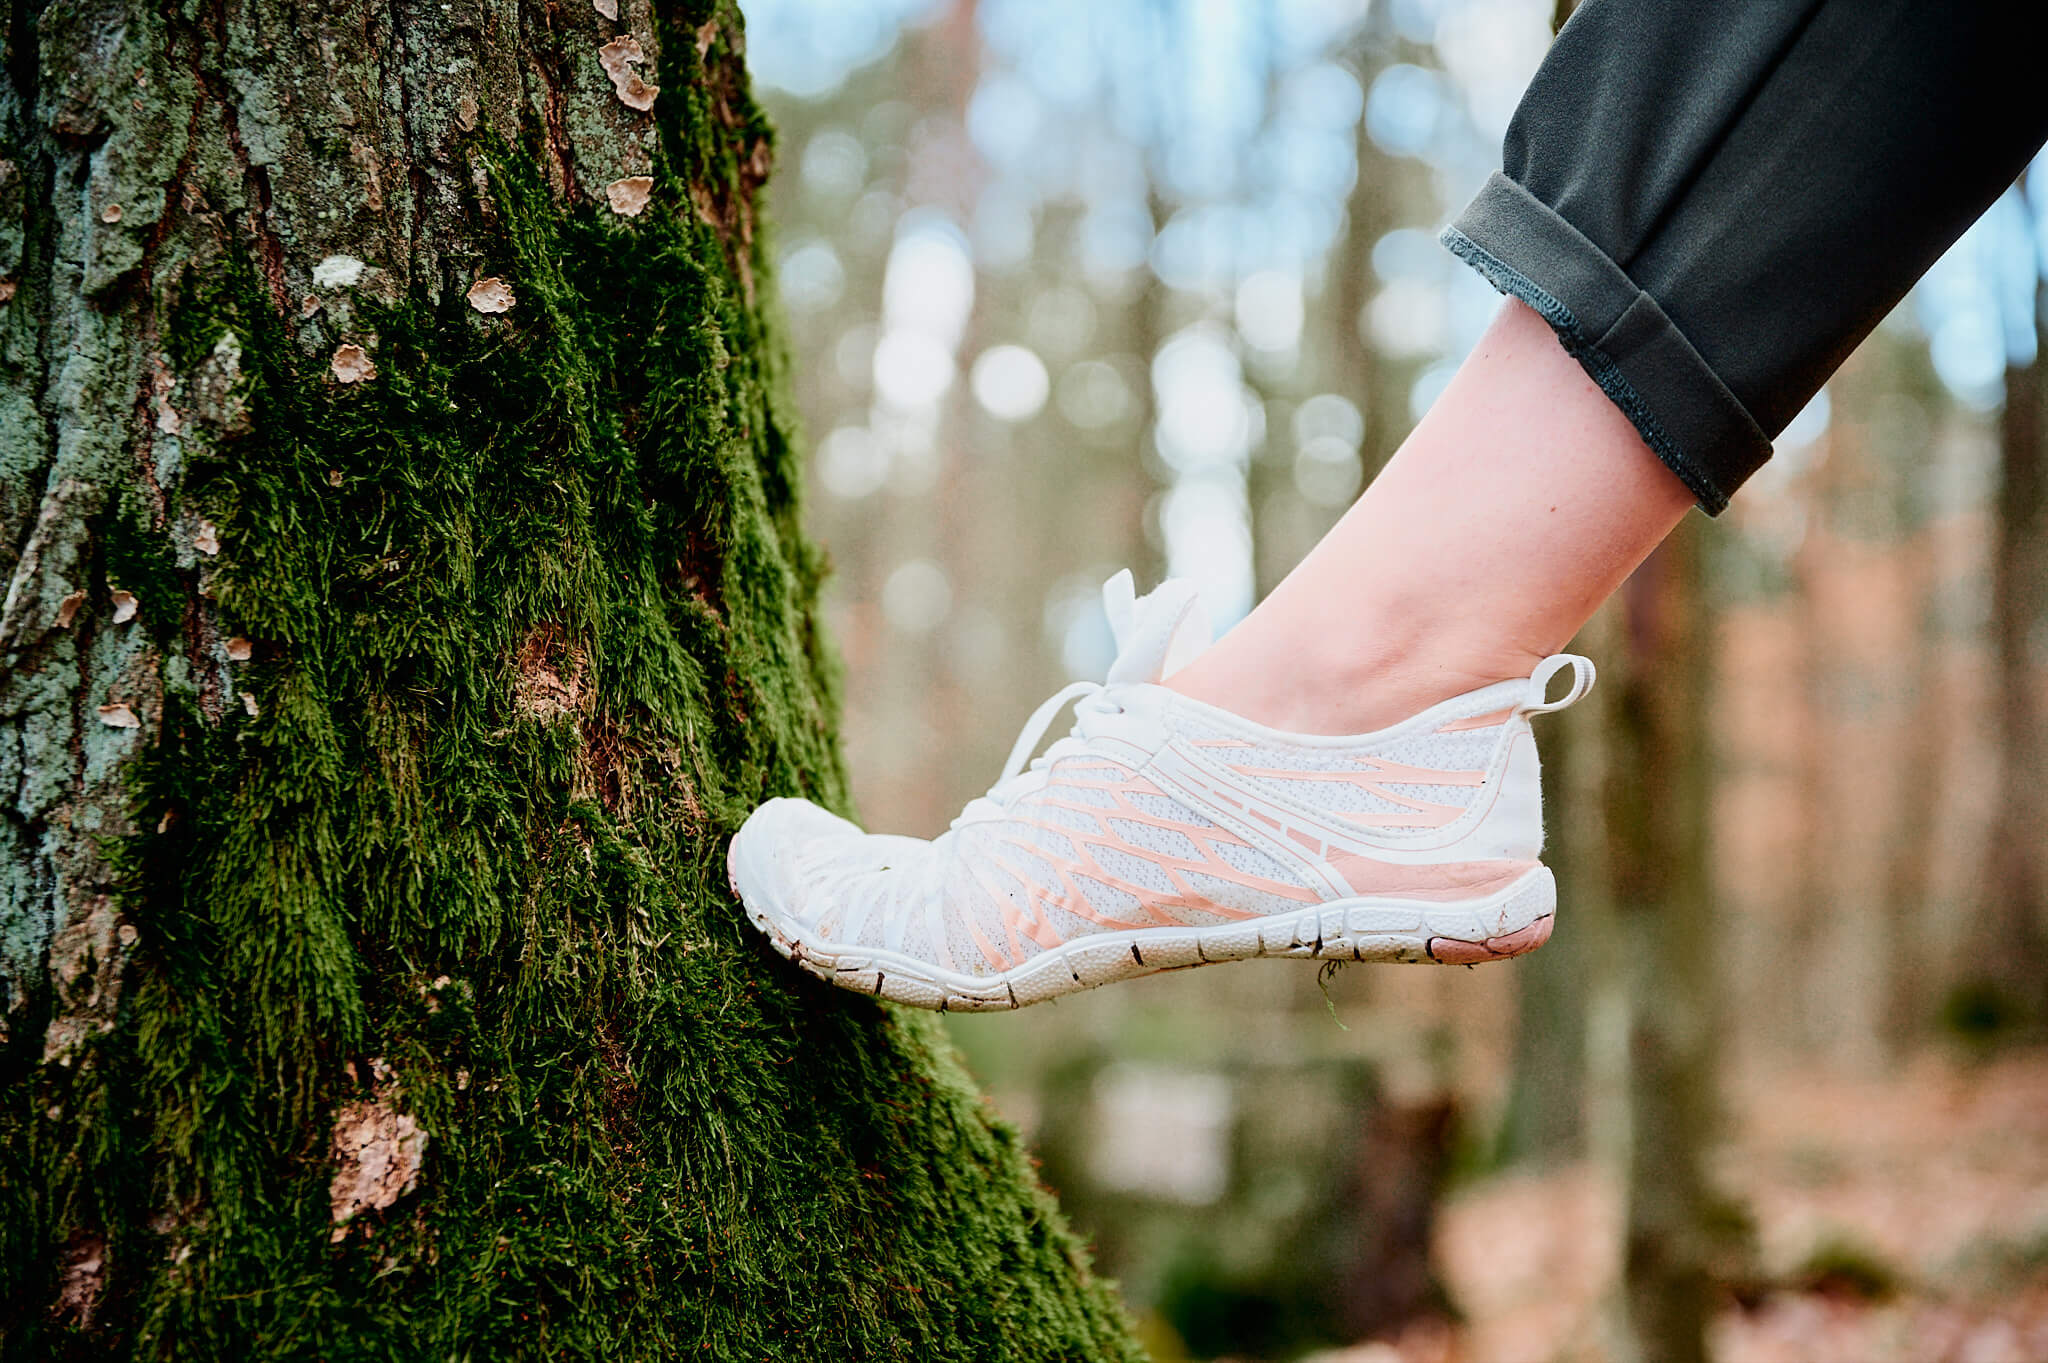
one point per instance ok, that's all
(1518, 504)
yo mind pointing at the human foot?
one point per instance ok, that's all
(1163, 833)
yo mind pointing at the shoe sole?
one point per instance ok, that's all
(1509, 923)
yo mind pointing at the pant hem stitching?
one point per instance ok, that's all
(1597, 363)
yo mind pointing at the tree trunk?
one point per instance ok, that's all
(2012, 945)
(407, 598)
(1917, 820)
(1807, 1017)
(1545, 1119)
(1547, 1091)
(1658, 784)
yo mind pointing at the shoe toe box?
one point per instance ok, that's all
(794, 862)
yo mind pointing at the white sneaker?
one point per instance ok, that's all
(1163, 833)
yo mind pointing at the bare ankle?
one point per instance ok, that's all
(1298, 692)
(1518, 503)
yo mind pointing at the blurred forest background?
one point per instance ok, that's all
(1079, 284)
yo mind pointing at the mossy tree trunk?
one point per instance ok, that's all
(406, 598)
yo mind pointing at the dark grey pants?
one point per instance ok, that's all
(1712, 203)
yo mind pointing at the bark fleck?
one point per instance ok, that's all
(352, 364)
(338, 272)
(162, 383)
(373, 184)
(638, 94)
(540, 691)
(214, 399)
(82, 1280)
(377, 1155)
(84, 970)
(491, 294)
(619, 57)
(629, 196)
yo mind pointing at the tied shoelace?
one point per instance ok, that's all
(1093, 711)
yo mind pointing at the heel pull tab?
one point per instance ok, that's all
(1538, 702)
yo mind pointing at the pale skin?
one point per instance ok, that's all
(1519, 503)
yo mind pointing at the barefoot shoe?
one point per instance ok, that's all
(1162, 833)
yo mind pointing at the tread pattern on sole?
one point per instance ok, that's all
(1504, 925)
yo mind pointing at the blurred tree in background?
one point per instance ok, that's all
(2013, 940)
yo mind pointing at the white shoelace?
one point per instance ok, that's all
(1092, 713)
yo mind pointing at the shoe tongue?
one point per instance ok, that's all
(1156, 634)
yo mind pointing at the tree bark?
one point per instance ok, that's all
(1809, 1018)
(1909, 867)
(1658, 787)
(1547, 1091)
(406, 598)
(2012, 938)
(1544, 1123)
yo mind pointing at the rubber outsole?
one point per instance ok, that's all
(1506, 924)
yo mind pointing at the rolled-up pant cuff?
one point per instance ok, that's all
(1618, 333)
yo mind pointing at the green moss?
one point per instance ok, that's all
(137, 558)
(519, 672)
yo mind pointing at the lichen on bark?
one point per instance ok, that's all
(404, 886)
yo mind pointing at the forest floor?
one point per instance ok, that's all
(1900, 1218)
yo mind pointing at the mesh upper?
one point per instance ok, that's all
(1367, 795)
(1097, 846)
